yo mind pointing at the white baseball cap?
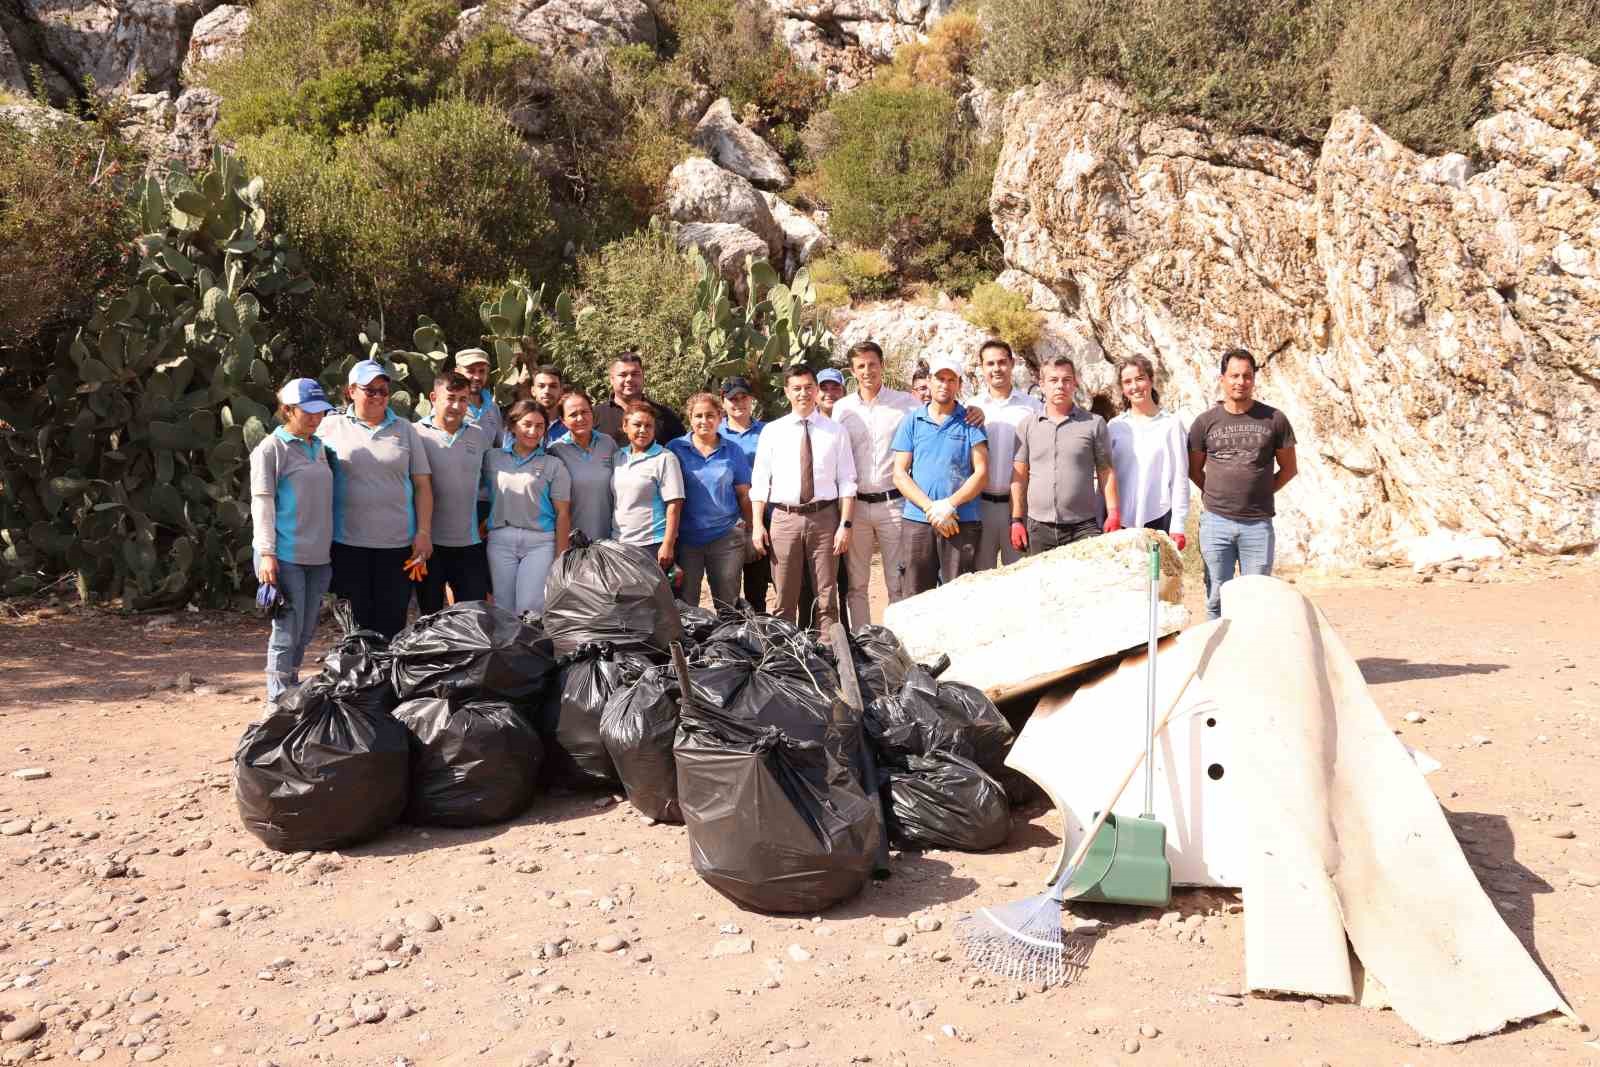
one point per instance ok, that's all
(952, 364)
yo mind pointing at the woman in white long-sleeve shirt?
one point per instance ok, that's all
(1150, 455)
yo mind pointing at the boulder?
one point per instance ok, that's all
(727, 246)
(194, 120)
(146, 121)
(34, 117)
(735, 148)
(843, 40)
(803, 239)
(700, 191)
(1086, 601)
(120, 44)
(1427, 328)
(910, 333)
(581, 30)
(218, 33)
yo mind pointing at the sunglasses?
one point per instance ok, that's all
(374, 390)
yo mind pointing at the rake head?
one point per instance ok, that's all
(1024, 942)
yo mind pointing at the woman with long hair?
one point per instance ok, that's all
(1150, 454)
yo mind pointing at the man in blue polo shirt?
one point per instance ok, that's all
(940, 466)
(741, 427)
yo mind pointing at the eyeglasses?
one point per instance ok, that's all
(374, 390)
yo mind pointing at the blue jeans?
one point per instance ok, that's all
(1226, 542)
(293, 630)
(519, 563)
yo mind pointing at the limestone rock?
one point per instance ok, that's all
(910, 333)
(803, 239)
(147, 120)
(34, 117)
(194, 120)
(1426, 328)
(121, 44)
(219, 32)
(727, 246)
(842, 40)
(700, 191)
(581, 30)
(1087, 600)
(739, 149)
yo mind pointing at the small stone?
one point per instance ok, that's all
(214, 922)
(707, 1017)
(1087, 927)
(1415, 717)
(927, 925)
(733, 946)
(894, 937)
(375, 966)
(1131, 1045)
(425, 921)
(795, 1042)
(105, 926)
(949, 1031)
(31, 774)
(141, 996)
(14, 828)
(142, 1016)
(21, 1028)
(798, 954)
(1005, 883)
(1563, 833)
(603, 1032)
(1478, 740)
(389, 942)
(370, 1013)
(147, 1053)
(1588, 879)
(91, 1054)
(1149, 1030)
(611, 943)
(920, 1009)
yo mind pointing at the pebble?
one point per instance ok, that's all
(733, 946)
(798, 954)
(90, 1054)
(1563, 833)
(370, 1013)
(147, 1053)
(31, 774)
(921, 1009)
(14, 828)
(1149, 1030)
(21, 1028)
(389, 942)
(611, 943)
(214, 921)
(375, 966)
(796, 1043)
(1415, 716)
(894, 937)
(141, 996)
(1586, 878)
(425, 921)
(603, 1032)
(1131, 1045)
(1478, 740)
(142, 1016)
(949, 1031)
(1005, 883)
(707, 1017)
(927, 925)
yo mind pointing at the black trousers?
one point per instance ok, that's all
(374, 581)
(1043, 536)
(932, 560)
(464, 569)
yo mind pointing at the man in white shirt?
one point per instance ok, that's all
(804, 467)
(1004, 408)
(870, 416)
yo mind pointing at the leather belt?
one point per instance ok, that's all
(881, 498)
(996, 498)
(807, 509)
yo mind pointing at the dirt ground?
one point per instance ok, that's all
(138, 920)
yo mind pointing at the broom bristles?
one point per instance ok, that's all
(1023, 941)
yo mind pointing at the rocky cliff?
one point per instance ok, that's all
(1429, 324)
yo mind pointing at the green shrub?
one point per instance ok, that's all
(857, 273)
(1004, 314)
(1283, 67)
(731, 46)
(414, 222)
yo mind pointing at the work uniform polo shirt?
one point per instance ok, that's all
(373, 498)
(745, 439)
(643, 484)
(291, 498)
(711, 501)
(456, 460)
(524, 490)
(941, 457)
(1062, 458)
(485, 415)
(590, 471)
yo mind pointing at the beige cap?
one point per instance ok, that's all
(469, 356)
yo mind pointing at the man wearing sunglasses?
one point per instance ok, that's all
(382, 501)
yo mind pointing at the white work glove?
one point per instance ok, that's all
(941, 512)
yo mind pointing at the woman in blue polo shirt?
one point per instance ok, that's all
(291, 508)
(646, 488)
(530, 511)
(716, 480)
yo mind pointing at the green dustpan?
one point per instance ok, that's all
(1127, 861)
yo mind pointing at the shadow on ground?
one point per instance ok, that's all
(1379, 670)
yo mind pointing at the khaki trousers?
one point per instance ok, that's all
(805, 543)
(875, 525)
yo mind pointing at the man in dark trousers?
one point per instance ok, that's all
(1241, 452)
(1060, 453)
(627, 385)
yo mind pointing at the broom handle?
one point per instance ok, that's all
(1105, 812)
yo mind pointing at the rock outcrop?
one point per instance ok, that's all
(217, 33)
(843, 40)
(700, 191)
(734, 147)
(803, 238)
(909, 334)
(581, 30)
(119, 44)
(727, 246)
(1429, 330)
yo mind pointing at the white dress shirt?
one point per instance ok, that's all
(871, 428)
(1000, 421)
(1151, 458)
(776, 478)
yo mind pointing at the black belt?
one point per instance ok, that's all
(807, 509)
(996, 498)
(881, 498)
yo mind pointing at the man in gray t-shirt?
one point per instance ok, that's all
(1060, 453)
(1241, 452)
(455, 450)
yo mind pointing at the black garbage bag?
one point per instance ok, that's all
(637, 728)
(775, 645)
(588, 678)
(945, 801)
(777, 819)
(329, 767)
(882, 662)
(608, 591)
(472, 648)
(929, 716)
(473, 762)
(697, 622)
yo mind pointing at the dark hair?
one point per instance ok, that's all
(628, 357)
(1058, 360)
(525, 407)
(1100, 404)
(574, 392)
(637, 407)
(550, 369)
(1144, 367)
(864, 346)
(995, 342)
(453, 381)
(921, 371)
(1238, 353)
(799, 370)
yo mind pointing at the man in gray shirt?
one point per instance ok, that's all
(455, 451)
(1059, 453)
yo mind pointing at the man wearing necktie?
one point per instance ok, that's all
(804, 467)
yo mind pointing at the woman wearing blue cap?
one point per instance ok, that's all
(291, 507)
(382, 501)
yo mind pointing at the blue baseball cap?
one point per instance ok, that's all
(305, 394)
(363, 373)
(830, 375)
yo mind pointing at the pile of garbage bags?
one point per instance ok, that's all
(789, 796)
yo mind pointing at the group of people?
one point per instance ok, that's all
(377, 509)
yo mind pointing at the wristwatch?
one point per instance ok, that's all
(846, 524)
